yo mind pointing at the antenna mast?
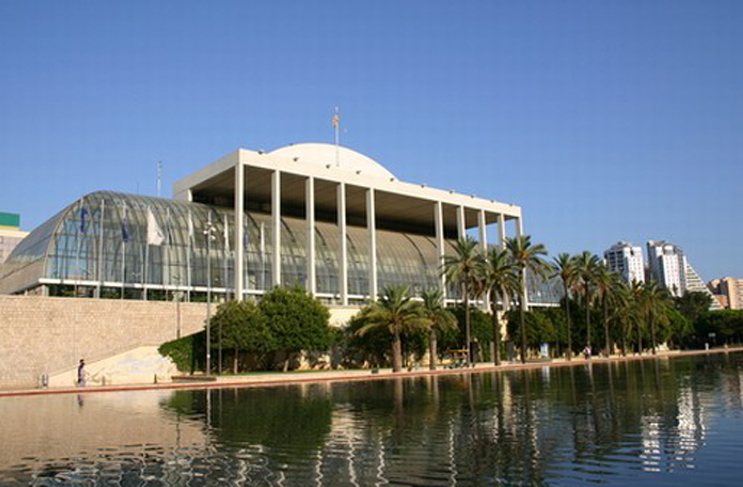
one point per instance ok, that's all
(336, 126)
(159, 176)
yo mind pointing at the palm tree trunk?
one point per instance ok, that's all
(496, 330)
(396, 352)
(567, 316)
(652, 331)
(607, 342)
(522, 316)
(432, 348)
(467, 336)
(588, 317)
(234, 362)
(639, 339)
(624, 344)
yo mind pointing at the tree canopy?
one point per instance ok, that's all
(243, 328)
(693, 304)
(296, 320)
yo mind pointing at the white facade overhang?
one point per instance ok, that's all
(398, 201)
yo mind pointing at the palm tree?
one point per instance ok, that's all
(463, 268)
(586, 264)
(437, 318)
(499, 281)
(637, 290)
(526, 256)
(623, 311)
(655, 301)
(564, 265)
(605, 285)
(396, 312)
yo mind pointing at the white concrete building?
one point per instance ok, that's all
(667, 265)
(731, 291)
(338, 185)
(322, 217)
(322, 182)
(626, 260)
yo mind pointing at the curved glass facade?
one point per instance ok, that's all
(101, 241)
(98, 246)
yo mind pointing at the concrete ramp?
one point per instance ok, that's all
(142, 365)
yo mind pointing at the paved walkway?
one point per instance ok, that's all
(287, 378)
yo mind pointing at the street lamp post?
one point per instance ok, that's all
(177, 296)
(219, 337)
(209, 232)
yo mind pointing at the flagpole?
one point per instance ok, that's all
(166, 254)
(80, 208)
(145, 271)
(263, 258)
(100, 248)
(245, 248)
(124, 238)
(224, 263)
(188, 256)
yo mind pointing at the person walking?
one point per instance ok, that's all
(587, 352)
(81, 373)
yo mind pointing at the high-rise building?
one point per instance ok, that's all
(10, 234)
(626, 259)
(667, 265)
(730, 290)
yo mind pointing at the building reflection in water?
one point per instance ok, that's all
(519, 427)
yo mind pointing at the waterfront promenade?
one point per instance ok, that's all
(276, 379)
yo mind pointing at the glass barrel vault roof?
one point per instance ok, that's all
(101, 239)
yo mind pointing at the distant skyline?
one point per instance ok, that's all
(604, 121)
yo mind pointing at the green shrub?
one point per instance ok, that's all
(188, 352)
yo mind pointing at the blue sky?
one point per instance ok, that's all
(603, 120)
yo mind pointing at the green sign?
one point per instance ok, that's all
(10, 220)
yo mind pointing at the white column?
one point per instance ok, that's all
(482, 229)
(501, 231)
(239, 230)
(371, 226)
(524, 289)
(309, 195)
(276, 226)
(461, 224)
(481, 226)
(438, 217)
(343, 258)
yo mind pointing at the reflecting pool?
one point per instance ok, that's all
(652, 422)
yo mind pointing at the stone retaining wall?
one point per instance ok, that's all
(41, 335)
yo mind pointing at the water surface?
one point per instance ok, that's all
(655, 422)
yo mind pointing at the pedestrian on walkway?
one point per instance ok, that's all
(81, 373)
(587, 352)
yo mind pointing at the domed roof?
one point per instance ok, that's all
(324, 154)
